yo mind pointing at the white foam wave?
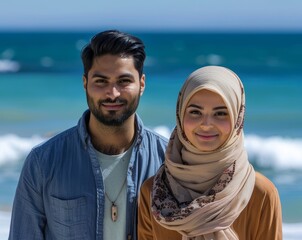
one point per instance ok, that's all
(14, 147)
(162, 130)
(292, 231)
(9, 66)
(4, 224)
(275, 152)
(272, 152)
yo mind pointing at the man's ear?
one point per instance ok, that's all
(85, 80)
(142, 84)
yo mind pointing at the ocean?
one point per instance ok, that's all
(41, 94)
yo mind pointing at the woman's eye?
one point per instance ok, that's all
(195, 112)
(221, 114)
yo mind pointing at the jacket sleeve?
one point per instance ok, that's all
(28, 217)
(145, 231)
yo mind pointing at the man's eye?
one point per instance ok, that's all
(124, 81)
(100, 81)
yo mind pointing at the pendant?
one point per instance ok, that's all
(113, 212)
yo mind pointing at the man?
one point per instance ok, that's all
(83, 183)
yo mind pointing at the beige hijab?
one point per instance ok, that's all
(200, 194)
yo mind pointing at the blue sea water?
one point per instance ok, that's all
(41, 94)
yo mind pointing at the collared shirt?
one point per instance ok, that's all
(60, 194)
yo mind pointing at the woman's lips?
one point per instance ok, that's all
(206, 137)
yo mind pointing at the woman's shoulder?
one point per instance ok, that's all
(264, 186)
(263, 212)
(265, 192)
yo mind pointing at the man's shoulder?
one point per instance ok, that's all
(58, 139)
(54, 150)
(154, 142)
(155, 135)
(147, 133)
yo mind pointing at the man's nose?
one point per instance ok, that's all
(113, 91)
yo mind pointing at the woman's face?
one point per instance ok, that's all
(207, 123)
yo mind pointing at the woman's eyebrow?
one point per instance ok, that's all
(195, 106)
(220, 107)
(200, 107)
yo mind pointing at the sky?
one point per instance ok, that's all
(152, 15)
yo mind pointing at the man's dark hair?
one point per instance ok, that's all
(115, 43)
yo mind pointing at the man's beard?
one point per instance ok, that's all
(113, 118)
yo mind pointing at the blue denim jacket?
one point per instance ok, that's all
(60, 194)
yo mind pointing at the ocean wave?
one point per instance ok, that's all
(13, 147)
(270, 152)
(292, 231)
(9, 66)
(277, 153)
(274, 152)
(4, 224)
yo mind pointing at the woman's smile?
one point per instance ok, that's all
(207, 123)
(206, 136)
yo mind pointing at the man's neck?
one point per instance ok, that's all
(112, 140)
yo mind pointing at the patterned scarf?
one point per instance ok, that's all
(200, 194)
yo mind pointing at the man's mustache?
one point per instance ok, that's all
(115, 101)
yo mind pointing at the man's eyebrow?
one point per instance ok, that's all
(126, 75)
(98, 75)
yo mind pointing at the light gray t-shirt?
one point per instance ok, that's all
(114, 171)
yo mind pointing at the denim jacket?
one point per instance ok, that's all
(60, 194)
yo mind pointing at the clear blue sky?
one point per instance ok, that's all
(204, 15)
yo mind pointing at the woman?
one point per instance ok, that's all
(207, 189)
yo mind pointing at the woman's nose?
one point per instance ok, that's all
(206, 121)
